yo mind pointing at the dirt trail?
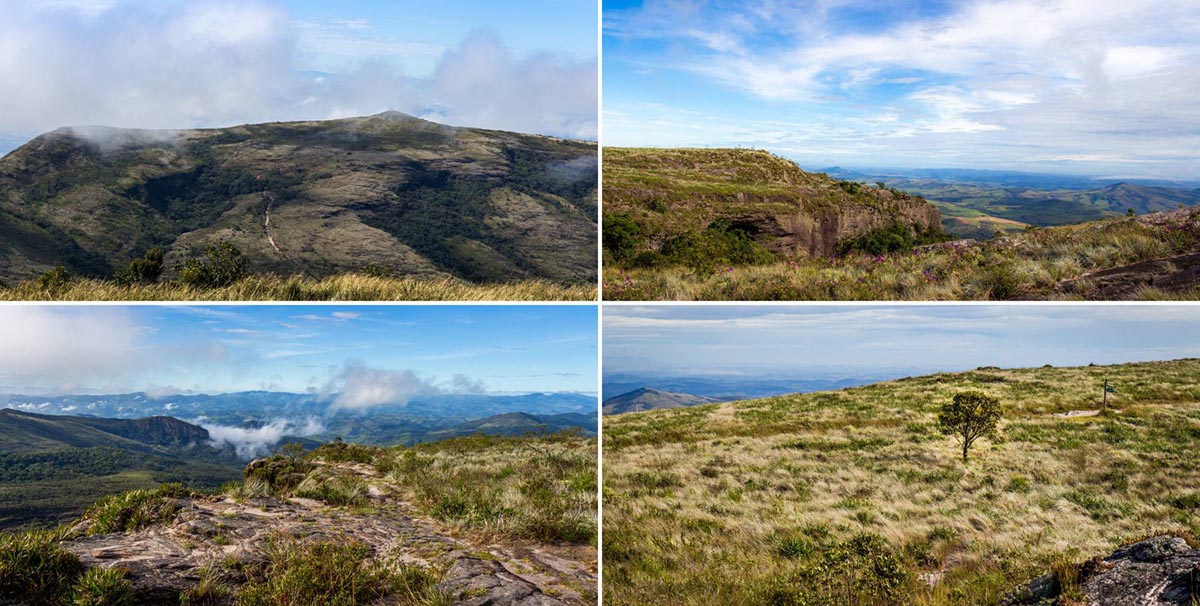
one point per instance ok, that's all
(164, 560)
(271, 237)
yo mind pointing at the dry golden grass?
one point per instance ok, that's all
(349, 287)
(853, 497)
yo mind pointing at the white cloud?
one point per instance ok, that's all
(257, 441)
(1001, 81)
(205, 64)
(50, 345)
(360, 387)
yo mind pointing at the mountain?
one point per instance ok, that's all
(679, 204)
(647, 398)
(977, 204)
(53, 466)
(22, 432)
(743, 387)
(235, 408)
(520, 423)
(388, 193)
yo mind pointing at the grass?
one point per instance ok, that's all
(1031, 265)
(337, 573)
(538, 488)
(853, 497)
(348, 287)
(35, 569)
(542, 488)
(134, 509)
(103, 587)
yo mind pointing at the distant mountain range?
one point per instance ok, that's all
(312, 416)
(977, 203)
(389, 193)
(646, 398)
(737, 387)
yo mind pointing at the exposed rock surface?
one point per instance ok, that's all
(165, 560)
(1160, 571)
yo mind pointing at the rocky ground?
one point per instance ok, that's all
(165, 560)
(1160, 571)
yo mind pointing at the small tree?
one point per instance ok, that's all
(145, 270)
(969, 416)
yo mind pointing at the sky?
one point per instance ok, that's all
(1102, 88)
(803, 340)
(368, 354)
(522, 65)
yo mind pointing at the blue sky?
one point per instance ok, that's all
(523, 65)
(806, 340)
(215, 349)
(1092, 87)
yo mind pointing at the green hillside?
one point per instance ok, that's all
(51, 467)
(388, 194)
(854, 497)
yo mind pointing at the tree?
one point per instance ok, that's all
(145, 270)
(969, 416)
(223, 265)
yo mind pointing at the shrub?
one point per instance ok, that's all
(340, 573)
(54, 279)
(103, 587)
(332, 489)
(718, 244)
(35, 569)
(893, 238)
(223, 265)
(145, 270)
(622, 236)
(134, 509)
(280, 473)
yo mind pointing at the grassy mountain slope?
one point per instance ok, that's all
(51, 467)
(647, 398)
(854, 497)
(390, 192)
(659, 202)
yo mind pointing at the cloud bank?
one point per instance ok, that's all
(257, 441)
(134, 64)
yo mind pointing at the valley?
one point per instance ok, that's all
(53, 464)
(854, 496)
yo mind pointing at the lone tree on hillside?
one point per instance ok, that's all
(970, 415)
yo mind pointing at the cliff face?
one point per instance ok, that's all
(671, 192)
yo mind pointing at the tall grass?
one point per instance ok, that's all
(534, 488)
(349, 287)
(853, 496)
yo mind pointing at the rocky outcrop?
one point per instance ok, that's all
(1160, 571)
(673, 192)
(165, 560)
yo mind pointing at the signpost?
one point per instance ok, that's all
(1107, 390)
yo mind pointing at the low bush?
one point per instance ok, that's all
(35, 569)
(134, 509)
